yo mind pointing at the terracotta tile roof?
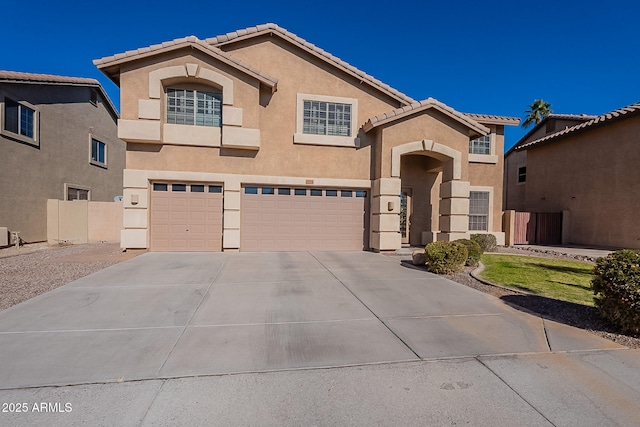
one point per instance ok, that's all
(575, 117)
(192, 41)
(571, 116)
(416, 107)
(15, 76)
(35, 78)
(313, 49)
(598, 121)
(489, 118)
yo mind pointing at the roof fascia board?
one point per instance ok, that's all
(469, 123)
(96, 85)
(122, 59)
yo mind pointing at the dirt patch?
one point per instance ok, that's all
(35, 269)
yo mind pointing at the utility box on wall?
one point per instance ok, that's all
(4, 236)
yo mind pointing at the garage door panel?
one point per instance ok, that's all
(301, 222)
(185, 220)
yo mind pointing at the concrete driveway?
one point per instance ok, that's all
(166, 317)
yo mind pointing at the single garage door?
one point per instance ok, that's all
(300, 219)
(186, 217)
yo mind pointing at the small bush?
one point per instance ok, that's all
(616, 285)
(445, 257)
(474, 252)
(487, 242)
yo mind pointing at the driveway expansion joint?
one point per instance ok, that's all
(204, 295)
(515, 391)
(366, 306)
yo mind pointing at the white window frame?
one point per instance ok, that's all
(67, 186)
(491, 158)
(489, 214)
(35, 140)
(330, 140)
(195, 106)
(106, 153)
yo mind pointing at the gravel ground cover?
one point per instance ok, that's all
(35, 269)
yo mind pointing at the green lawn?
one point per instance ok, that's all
(558, 279)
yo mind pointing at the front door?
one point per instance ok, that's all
(405, 214)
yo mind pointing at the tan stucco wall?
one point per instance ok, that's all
(104, 221)
(514, 192)
(431, 125)
(283, 157)
(30, 175)
(80, 221)
(595, 176)
(134, 83)
(491, 175)
(274, 115)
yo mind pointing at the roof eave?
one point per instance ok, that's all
(468, 122)
(106, 65)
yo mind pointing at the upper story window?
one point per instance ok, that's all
(522, 174)
(98, 152)
(194, 107)
(326, 118)
(19, 119)
(480, 145)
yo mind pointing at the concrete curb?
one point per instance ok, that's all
(475, 274)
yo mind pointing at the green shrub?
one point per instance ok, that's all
(474, 252)
(445, 257)
(487, 242)
(616, 285)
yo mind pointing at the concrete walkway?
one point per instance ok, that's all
(309, 338)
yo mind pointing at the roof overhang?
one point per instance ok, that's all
(110, 65)
(421, 107)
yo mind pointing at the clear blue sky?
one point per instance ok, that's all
(490, 56)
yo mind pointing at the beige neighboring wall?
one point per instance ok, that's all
(82, 221)
(595, 176)
(104, 221)
(515, 193)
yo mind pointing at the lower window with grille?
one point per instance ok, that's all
(479, 211)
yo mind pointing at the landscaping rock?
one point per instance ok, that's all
(418, 257)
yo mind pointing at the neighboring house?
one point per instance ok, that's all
(258, 140)
(58, 140)
(585, 167)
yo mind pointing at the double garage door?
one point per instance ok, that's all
(299, 219)
(189, 217)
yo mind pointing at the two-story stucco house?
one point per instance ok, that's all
(58, 140)
(585, 167)
(259, 140)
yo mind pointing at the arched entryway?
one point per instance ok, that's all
(439, 205)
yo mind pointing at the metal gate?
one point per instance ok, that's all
(535, 228)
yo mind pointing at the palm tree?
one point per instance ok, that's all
(536, 112)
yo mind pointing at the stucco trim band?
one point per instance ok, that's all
(427, 146)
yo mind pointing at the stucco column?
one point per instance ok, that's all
(454, 210)
(135, 232)
(231, 215)
(385, 214)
